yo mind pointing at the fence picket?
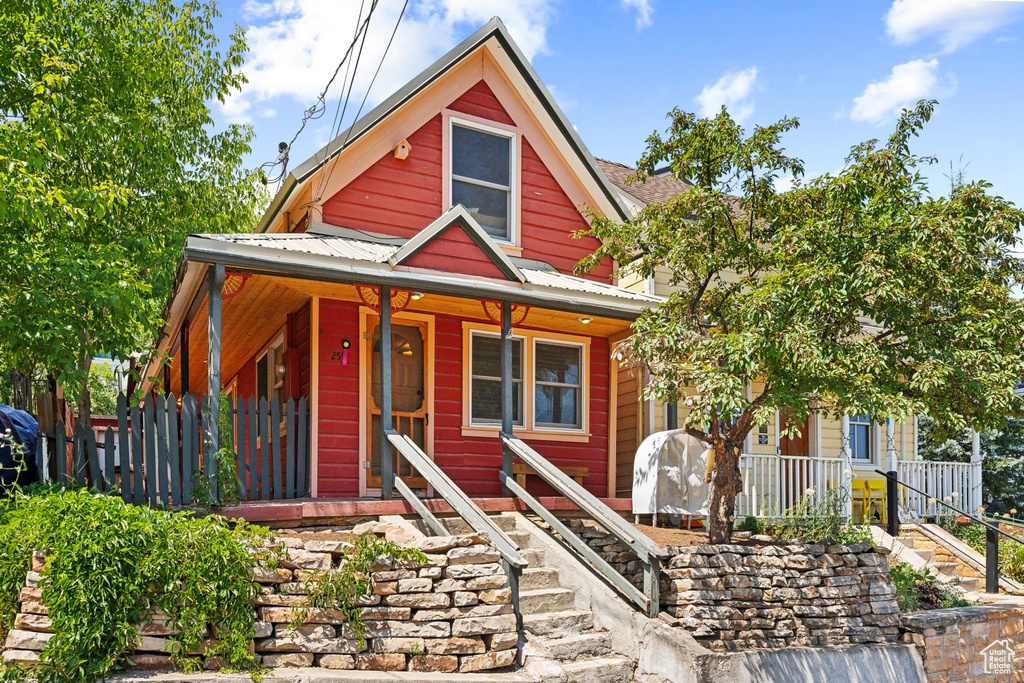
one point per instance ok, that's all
(264, 451)
(208, 457)
(108, 460)
(251, 464)
(187, 454)
(289, 437)
(61, 452)
(275, 448)
(303, 453)
(173, 465)
(149, 434)
(93, 456)
(138, 493)
(160, 455)
(123, 448)
(78, 455)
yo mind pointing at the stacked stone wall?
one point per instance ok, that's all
(451, 614)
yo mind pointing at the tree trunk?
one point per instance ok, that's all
(85, 365)
(726, 484)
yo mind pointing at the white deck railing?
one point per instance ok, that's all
(774, 483)
(950, 482)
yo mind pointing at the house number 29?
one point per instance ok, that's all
(343, 354)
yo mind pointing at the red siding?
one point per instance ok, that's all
(298, 353)
(473, 463)
(403, 197)
(338, 455)
(456, 252)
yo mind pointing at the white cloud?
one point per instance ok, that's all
(733, 90)
(295, 45)
(954, 22)
(643, 11)
(906, 84)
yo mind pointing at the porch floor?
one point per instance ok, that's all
(314, 511)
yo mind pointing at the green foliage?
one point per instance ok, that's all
(773, 288)
(814, 519)
(109, 156)
(103, 389)
(917, 589)
(751, 524)
(108, 564)
(345, 584)
(1011, 553)
(226, 478)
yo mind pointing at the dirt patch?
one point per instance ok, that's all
(669, 536)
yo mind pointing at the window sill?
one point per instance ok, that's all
(511, 249)
(529, 434)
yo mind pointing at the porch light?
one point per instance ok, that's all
(416, 296)
(586, 319)
(281, 369)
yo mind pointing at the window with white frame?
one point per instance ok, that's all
(860, 438)
(557, 369)
(485, 379)
(482, 169)
(270, 372)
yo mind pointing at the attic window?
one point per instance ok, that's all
(482, 169)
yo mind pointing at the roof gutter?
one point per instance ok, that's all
(320, 268)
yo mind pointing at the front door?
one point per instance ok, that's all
(409, 402)
(796, 475)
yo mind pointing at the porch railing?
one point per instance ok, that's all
(774, 483)
(159, 453)
(647, 551)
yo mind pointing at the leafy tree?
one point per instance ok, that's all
(108, 158)
(1002, 466)
(855, 292)
(103, 389)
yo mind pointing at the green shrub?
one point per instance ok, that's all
(751, 524)
(813, 520)
(917, 589)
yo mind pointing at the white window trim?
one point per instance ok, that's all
(533, 384)
(514, 154)
(528, 430)
(469, 372)
(278, 344)
(872, 462)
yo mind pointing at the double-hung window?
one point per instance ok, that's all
(557, 385)
(269, 378)
(482, 173)
(860, 438)
(485, 379)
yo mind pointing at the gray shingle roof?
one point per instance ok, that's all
(656, 188)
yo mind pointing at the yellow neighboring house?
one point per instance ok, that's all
(821, 438)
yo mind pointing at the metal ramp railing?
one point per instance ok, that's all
(647, 551)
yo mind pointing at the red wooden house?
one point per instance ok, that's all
(456, 199)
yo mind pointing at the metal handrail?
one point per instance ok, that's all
(647, 551)
(462, 504)
(992, 532)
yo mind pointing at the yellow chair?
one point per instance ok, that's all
(875, 491)
(858, 491)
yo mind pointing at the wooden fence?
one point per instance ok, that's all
(161, 452)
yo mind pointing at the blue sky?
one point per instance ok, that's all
(617, 67)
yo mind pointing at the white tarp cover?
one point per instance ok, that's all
(668, 475)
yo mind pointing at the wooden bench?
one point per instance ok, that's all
(522, 471)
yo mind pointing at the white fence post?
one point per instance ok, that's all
(847, 458)
(974, 497)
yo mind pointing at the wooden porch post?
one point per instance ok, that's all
(213, 376)
(506, 386)
(387, 462)
(184, 358)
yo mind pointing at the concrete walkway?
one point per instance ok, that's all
(316, 675)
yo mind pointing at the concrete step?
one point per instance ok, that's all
(456, 525)
(572, 648)
(945, 570)
(522, 538)
(602, 670)
(533, 557)
(536, 578)
(908, 541)
(971, 584)
(559, 624)
(927, 555)
(546, 600)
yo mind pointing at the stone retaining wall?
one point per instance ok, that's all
(955, 643)
(452, 614)
(769, 594)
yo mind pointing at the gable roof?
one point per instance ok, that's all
(494, 29)
(657, 188)
(457, 216)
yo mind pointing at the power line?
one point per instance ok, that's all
(316, 110)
